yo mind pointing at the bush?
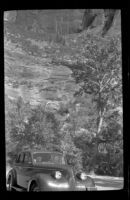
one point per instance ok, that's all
(31, 126)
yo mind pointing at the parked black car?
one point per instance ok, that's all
(45, 171)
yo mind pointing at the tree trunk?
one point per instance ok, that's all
(100, 122)
(97, 141)
(101, 111)
(99, 127)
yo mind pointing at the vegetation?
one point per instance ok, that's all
(97, 71)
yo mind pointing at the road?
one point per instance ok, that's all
(108, 183)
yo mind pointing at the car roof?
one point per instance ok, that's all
(35, 151)
(41, 151)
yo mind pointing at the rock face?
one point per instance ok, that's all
(62, 21)
(28, 53)
(96, 17)
(35, 80)
(10, 16)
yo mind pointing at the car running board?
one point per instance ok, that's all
(19, 189)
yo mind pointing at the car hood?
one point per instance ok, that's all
(50, 168)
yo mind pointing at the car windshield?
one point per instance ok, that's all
(41, 158)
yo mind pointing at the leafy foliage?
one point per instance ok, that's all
(96, 68)
(32, 126)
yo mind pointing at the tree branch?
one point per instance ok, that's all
(94, 82)
(101, 89)
(103, 78)
(112, 73)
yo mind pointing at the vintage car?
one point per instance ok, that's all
(45, 171)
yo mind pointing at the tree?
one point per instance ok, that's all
(91, 14)
(31, 127)
(88, 18)
(96, 68)
(76, 133)
(109, 19)
(67, 118)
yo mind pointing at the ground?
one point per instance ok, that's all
(108, 183)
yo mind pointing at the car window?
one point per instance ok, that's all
(40, 158)
(27, 158)
(17, 158)
(21, 158)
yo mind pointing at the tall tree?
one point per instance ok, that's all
(91, 14)
(96, 68)
(88, 18)
(109, 15)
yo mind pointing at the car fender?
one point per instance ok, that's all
(40, 179)
(11, 172)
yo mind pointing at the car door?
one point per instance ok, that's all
(19, 168)
(27, 170)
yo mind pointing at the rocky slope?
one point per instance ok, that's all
(31, 39)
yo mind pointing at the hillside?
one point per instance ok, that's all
(30, 44)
